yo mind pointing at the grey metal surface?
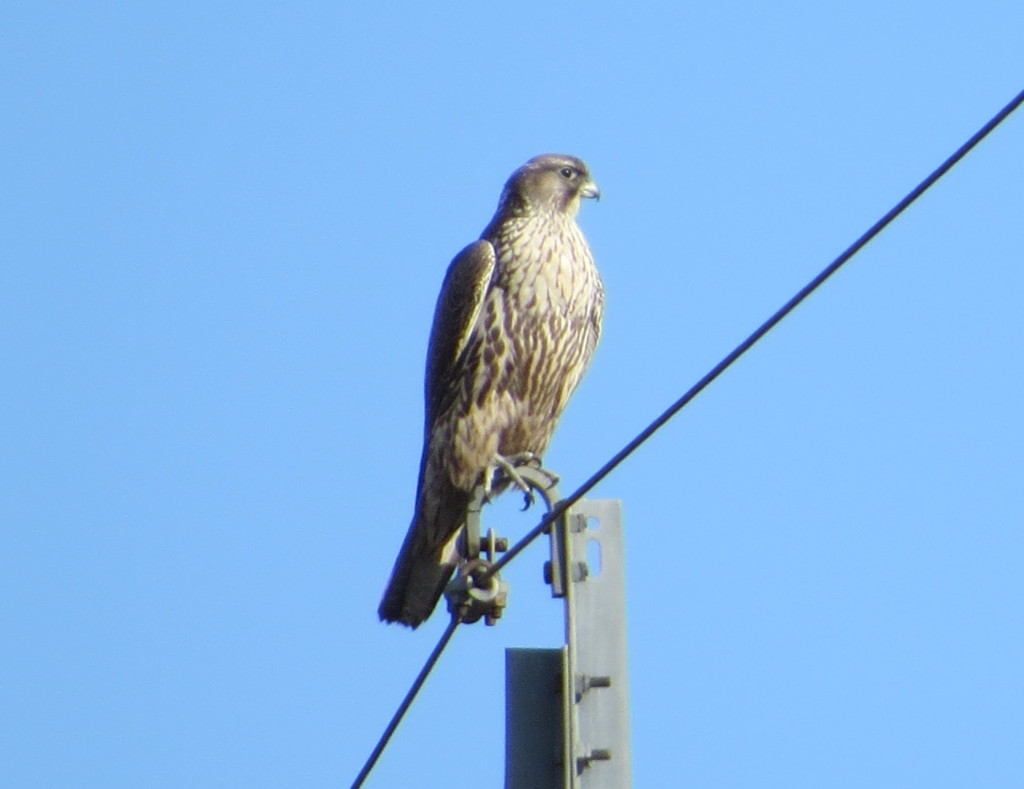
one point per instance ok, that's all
(567, 710)
(534, 743)
(596, 634)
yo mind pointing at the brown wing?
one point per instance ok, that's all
(462, 296)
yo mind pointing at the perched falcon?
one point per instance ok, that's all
(516, 323)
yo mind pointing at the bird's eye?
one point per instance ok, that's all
(567, 172)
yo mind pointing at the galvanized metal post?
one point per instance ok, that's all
(534, 738)
(596, 634)
(567, 710)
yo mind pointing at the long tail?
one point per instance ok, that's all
(426, 561)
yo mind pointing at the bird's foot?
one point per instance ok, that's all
(504, 469)
(509, 468)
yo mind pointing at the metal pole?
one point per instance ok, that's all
(567, 710)
(596, 632)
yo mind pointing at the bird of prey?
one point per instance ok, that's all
(516, 323)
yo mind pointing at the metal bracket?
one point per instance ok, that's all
(596, 636)
(595, 745)
(471, 598)
(468, 596)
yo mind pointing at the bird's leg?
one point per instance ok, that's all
(522, 459)
(506, 467)
(509, 469)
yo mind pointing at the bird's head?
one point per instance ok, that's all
(551, 182)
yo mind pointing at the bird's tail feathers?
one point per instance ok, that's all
(423, 568)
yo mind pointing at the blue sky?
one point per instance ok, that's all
(225, 225)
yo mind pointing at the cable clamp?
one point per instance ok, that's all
(472, 598)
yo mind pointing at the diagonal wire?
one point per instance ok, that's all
(400, 712)
(761, 330)
(559, 509)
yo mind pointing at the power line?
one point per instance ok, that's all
(563, 505)
(400, 712)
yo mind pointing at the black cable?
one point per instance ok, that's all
(761, 330)
(678, 405)
(400, 712)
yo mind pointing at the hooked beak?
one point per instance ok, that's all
(590, 189)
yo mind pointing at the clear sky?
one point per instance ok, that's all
(224, 229)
